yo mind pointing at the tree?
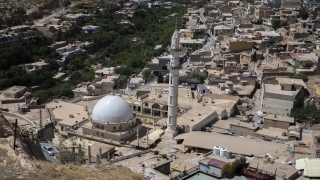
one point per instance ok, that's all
(301, 76)
(254, 56)
(303, 13)
(308, 114)
(67, 156)
(166, 80)
(275, 23)
(65, 90)
(249, 31)
(66, 3)
(146, 74)
(160, 78)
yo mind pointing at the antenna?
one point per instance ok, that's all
(177, 23)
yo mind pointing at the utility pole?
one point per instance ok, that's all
(40, 133)
(15, 134)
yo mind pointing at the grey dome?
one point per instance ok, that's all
(112, 109)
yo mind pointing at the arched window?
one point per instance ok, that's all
(120, 127)
(132, 123)
(97, 125)
(97, 133)
(102, 127)
(114, 128)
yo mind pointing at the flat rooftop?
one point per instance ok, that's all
(62, 110)
(14, 89)
(235, 144)
(279, 118)
(276, 89)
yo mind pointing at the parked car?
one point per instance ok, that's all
(49, 150)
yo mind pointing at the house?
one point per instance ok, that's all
(218, 166)
(243, 129)
(202, 89)
(317, 86)
(40, 66)
(223, 30)
(262, 12)
(91, 29)
(282, 95)
(272, 120)
(15, 92)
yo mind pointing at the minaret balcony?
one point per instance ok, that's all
(173, 67)
(175, 50)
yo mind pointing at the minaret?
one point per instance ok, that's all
(174, 67)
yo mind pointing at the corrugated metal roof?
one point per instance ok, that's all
(155, 135)
(259, 148)
(312, 168)
(217, 163)
(300, 163)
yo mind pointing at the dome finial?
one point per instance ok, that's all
(112, 93)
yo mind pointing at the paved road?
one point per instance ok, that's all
(47, 19)
(202, 18)
(49, 158)
(210, 42)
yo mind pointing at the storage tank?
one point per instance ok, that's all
(260, 114)
(228, 91)
(284, 133)
(223, 152)
(229, 154)
(216, 150)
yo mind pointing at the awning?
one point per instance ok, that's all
(181, 136)
(155, 135)
(283, 43)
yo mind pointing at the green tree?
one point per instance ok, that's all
(166, 80)
(66, 3)
(301, 76)
(160, 78)
(146, 74)
(254, 56)
(308, 114)
(303, 14)
(65, 90)
(67, 156)
(275, 23)
(249, 31)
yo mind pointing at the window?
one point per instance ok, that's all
(171, 80)
(114, 128)
(97, 125)
(120, 127)
(102, 134)
(102, 127)
(97, 133)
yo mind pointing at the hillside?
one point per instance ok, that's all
(19, 165)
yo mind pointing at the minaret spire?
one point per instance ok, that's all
(174, 67)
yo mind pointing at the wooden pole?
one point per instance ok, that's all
(15, 134)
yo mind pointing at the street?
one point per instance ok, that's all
(202, 18)
(48, 157)
(47, 19)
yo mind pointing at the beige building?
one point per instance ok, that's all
(104, 85)
(15, 92)
(280, 96)
(277, 121)
(263, 12)
(223, 31)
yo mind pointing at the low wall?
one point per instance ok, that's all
(18, 117)
(129, 156)
(36, 106)
(13, 101)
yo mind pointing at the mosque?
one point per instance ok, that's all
(111, 118)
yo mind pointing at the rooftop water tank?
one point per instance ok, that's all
(223, 152)
(228, 91)
(216, 150)
(229, 154)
